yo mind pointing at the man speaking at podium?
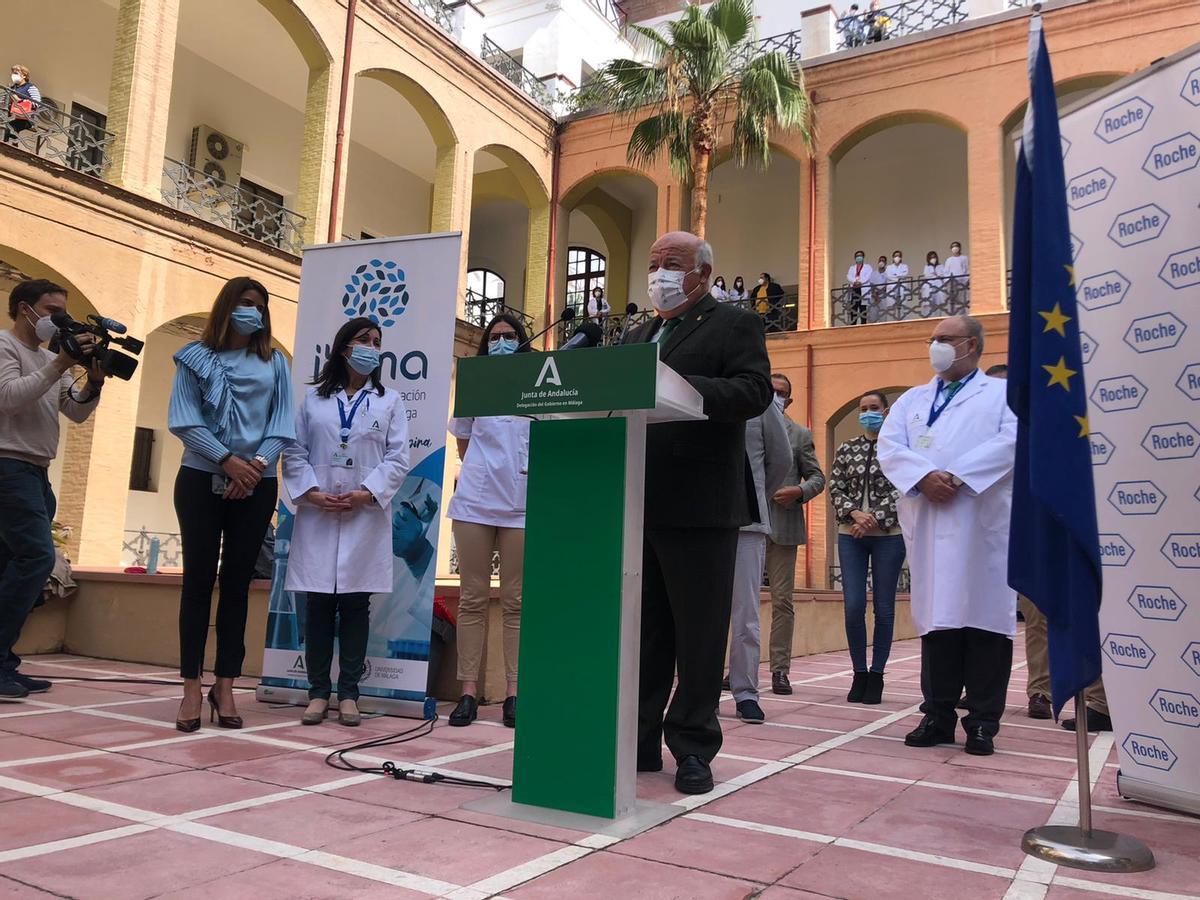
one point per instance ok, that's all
(699, 492)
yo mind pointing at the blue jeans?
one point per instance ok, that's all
(26, 550)
(885, 553)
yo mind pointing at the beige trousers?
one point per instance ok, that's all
(781, 572)
(1037, 657)
(474, 544)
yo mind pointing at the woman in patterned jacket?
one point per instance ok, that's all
(864, 502)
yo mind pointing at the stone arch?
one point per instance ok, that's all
(848, 141)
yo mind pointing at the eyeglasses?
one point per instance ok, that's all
(497, 335)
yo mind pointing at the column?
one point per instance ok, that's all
(450, 208)
(76, 447)
(139, 94)
(823, 168)
(313, 195)
(537, 262)
(985, 205)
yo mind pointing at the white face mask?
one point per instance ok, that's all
(780, 402)
(942, 356)
(665, 289)
(43, 327)
(16, 79)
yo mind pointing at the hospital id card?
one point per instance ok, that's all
(341, 459)
(925, 442)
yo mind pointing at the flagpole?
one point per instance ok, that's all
(1081, 846)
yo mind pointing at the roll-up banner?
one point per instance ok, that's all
(1132, 159)
(408, 285)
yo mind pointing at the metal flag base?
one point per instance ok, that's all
(1096, 851)
(1082, 846)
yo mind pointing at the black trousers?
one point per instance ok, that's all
(971, 658)
(213, 529)
(350, 616)
(687, 591)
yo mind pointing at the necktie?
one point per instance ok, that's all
(665, 331)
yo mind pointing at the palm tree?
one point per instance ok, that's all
(704, 85)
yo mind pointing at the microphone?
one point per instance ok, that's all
(589, 334)
(109, 324)
(567, 315)
(630, 309)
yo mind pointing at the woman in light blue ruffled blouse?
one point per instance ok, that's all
(232, 408)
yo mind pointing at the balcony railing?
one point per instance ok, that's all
(434, 10)
(480, 310)
(57, 136)
(190, 190)
(898, 20)
(787, 43)
(779, 314)
(135, 548)
(515, 73)
(611, 10)
(908, 298)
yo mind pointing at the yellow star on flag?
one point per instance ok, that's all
(1060, 374)
(1084, 431)
(1055, 320)
(1070, 275)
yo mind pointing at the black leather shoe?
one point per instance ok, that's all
(694, 776)
(33, 685)
(466, 711)
(749, 711)
(11, 689)
(1096, 721)
(858, 688)
(978, 742)
(873, 693)
(780, 683)
(928, 735)
(510, 712)
(1039, 707)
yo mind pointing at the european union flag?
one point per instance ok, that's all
(1054, 548)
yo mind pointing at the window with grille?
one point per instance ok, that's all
(143, 452)
(585, 271)
(259, 213)
(86, 139)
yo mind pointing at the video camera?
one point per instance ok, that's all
(110, 360)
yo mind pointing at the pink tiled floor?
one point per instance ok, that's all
(137, 810)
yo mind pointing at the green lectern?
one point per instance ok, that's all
(575, 756)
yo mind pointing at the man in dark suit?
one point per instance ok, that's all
(699, 492)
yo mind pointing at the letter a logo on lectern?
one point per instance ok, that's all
(549, 374)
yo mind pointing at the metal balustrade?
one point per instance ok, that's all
(135, 548)
(611, 11)
(787, 43)
(480, 310)
(433, 10)
(897, 20)
(515, 73)
(58, 136)
(908, 298)
(779, 314)
(190, 190)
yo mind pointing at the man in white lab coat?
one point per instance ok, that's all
(948, 447)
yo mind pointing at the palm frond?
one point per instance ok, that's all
(668, 131)
(734, 18)
(650, 39)
(627, 85)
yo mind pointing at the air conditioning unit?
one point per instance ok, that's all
(216, 155)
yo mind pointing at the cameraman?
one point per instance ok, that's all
(35, 386)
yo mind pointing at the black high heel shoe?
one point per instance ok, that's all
(215, 713)
(187, 726)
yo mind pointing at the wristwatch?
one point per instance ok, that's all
(958, 482)
(261, 460)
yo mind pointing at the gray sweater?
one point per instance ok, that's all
(32, 394)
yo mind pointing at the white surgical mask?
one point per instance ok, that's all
(665, 289)
(896, 259)
(43, 327)
(942, 356)
(16, 79)
(780, 402)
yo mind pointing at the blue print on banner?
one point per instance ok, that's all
(1172, 440)
(1139, 225)
(1156, 601)
(1176, 707)
(1115, 550)
(1106, 289)
(1147, 750)
(1076, 246)
(1158, 332)
(1089, 188)
(1136, 498)
(1128, 650)
(1087, 346)
(1120, 121)
(1182, 550)
(1182, 268)
(1102, 448)
(1173, 156)
(1191, 87)
(377, 291)
(1119, 393)
(1191, 656)
(1189, 381)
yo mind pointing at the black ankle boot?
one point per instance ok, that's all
(874, 691)
(858, 688)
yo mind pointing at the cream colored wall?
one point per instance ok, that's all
(499, 230)
(383, 199)
(754, 220)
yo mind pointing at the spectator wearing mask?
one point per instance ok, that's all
(878, 299)
(36, 386)
(23, 100)
(488, 515)
(852, 27)
(858, 280)
(864, 503)
(738, 291)
(959, 269)
(768, 301)
(231, 406)
(719, 292)
(598, 307)
(933, 284)
(897, 281)
(348, 461)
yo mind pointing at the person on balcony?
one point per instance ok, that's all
(231, 406)
(852, 27)
(958, 269)
(738, 291)
(719, 291)
(898, 287)
(488, 516)
(768, 302)
(598, 309)
(858, 283)
(23, 100)
(877, 23)
(933, 284)
(349, 459)
(864, 503)
(878, 296)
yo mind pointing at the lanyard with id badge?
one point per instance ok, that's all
(925, 441)
(341, 458)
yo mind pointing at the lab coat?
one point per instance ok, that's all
(897, 292)
(864, 277)
(957, 551)
(595, 310)
(958, 266)
(933, 289)
(495, 474)
(345, 552)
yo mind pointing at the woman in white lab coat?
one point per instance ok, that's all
(933, 284)
(897, 283)
(488, 514)
(349, 459)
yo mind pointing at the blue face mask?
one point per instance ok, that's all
(872, 421)
(502, 346)
(246, 320)
(363, 359)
